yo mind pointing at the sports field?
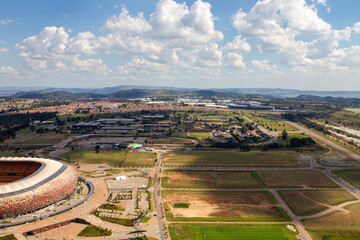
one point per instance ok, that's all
(305, 203)
(179, 231)
(214, 206)
(236, 158)
(210, 179)
(113, 157)
(350, 175)
(299, 179)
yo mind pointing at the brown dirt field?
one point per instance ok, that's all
(217, 204)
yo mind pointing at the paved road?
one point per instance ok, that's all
(339, 207)
(328, 142)
(158, 204)
(296, 220)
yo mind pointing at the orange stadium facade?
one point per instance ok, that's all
(29, 184)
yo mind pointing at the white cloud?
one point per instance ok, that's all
(279, 25)
(238, 44)
(180, 26)
(173, 32)
(4, 50)
(234, 60)
(8, 70)
(142, 66)
(356, 28)
(209, 56)
(50, 51)
(126, 24)
(6, 21)
(264, 65)
(49, 44)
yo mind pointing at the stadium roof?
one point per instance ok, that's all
(46, 172)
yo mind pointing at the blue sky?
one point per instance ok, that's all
(303, 44)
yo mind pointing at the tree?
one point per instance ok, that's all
(97, 148)
(284, 134)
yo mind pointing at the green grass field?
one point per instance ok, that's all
(350, 175)
(271, 125)
(230, 232)
(5, 153)
(305, 203)
(299, 179)
(168, 141)
(236, 158)
(194, 135)
(286, 142)
(113, 157)
(94, 231)
(210, 179)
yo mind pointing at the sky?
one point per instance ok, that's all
(291, 44)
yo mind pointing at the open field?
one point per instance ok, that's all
(215, 206)
(194, 135)
(210, 179)
(286, 142)
(338, 223)
(46, 138)
(113, 157)
(236, 158)
(300, 179)
(350, 175)
(181, 231)
(6, 153)
(336, 159)
(305, 203)
(168, 141)
(271, 125)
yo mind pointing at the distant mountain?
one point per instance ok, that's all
(133, 93)
(327, 99)
(119, 90)
(55, 95)
(287, 93)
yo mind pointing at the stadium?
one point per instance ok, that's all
(29, 184)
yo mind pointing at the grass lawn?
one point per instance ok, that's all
(94, 231)
(294, 178)
(286, 142)
(195, 135)
(333, 235)
(168, 141)
(350, 175)
(210, 179)
(113, 157)
(338, 221)
(236, 158)
(272, 125)
(305, 203)
(8, 237)
(180, 231)
(218, 206)
(5, 153)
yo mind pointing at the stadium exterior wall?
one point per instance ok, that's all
(44, 193)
